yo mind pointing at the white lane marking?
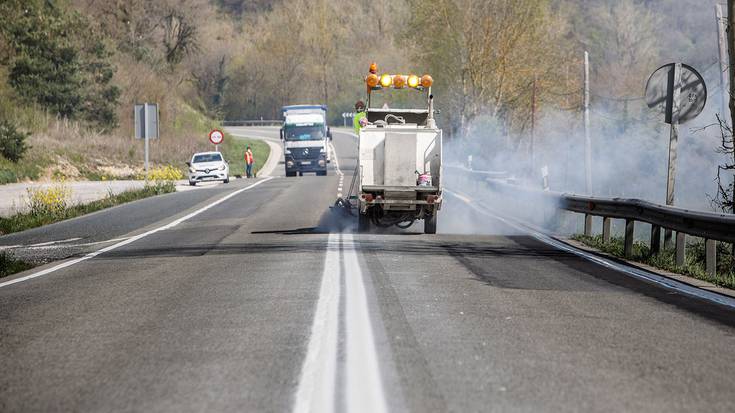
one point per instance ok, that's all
(316, 391)
(662, 281)
(131, 239)
(53, 245)
(364, 391)
(336, 161)
(41, 244)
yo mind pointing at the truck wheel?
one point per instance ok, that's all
(430, 224)
(290, 173)
(363, 223)
(192, 183)
(321, 173)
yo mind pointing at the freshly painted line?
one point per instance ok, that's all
(647, 276)
(316, 391)
(364, 391)
(131, 239)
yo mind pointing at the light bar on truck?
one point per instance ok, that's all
(375, 81)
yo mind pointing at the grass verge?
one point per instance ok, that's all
(234, 152)
(9, 265)
(666, 260)
(40, 217)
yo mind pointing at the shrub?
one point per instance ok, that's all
(53, 200)
(12, 141)
(164, 173)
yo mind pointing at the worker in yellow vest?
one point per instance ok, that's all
(360, 118)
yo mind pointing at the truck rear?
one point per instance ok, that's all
(400, 159)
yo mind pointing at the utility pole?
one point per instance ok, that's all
(730, 22)
(533, 127)
(724, 66)
(587, 141)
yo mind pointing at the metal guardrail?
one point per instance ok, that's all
(259, 122)
(711, 226)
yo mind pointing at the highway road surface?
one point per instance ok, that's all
(256, 296)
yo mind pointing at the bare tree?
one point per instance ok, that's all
(179, 36)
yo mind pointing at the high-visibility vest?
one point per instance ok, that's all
(356, 121)
(249, 159)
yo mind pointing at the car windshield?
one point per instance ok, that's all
(305, 133)
(207, 157)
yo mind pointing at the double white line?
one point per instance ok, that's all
(363, 388)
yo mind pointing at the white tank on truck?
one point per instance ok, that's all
(305, 135)
(400, 155)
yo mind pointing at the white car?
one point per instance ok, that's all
(208, 166)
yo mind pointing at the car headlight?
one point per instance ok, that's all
(192, 170)
(322, 150)
(222, 168)
(287, 152)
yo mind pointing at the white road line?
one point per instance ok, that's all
(41, 244)
(363, 387)
(316, 391)
(336, 161)
(131, 239)
(364, 391)
(647, 276)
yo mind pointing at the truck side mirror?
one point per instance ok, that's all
(188, 163)
(281, 130)
(329, 133)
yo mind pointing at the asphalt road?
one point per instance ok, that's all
(263, 299)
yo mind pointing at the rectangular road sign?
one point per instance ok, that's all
(146, 120)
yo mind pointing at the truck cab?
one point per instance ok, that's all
(305, 135)
(400, 157)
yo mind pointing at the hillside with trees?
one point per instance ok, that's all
(71, 70)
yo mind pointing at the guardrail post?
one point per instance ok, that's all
(629, 233)
(606, 225)
(588, 225)
(710, 247)
(681, 240)
(655, 239)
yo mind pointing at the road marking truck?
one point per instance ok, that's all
(400, 155)
(305, 135)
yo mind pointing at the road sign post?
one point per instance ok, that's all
(216, 137)
(146, 126)
(664, 91)
(673, 145)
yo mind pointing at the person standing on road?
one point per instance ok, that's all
(357, 121)
(249, 161)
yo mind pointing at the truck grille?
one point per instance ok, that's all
(304, 153)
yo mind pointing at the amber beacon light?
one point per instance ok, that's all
(372, 80)
(386, 80)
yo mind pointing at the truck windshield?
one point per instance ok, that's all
(305, 133)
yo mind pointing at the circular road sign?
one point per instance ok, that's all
(660, 89)
(216, 137)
